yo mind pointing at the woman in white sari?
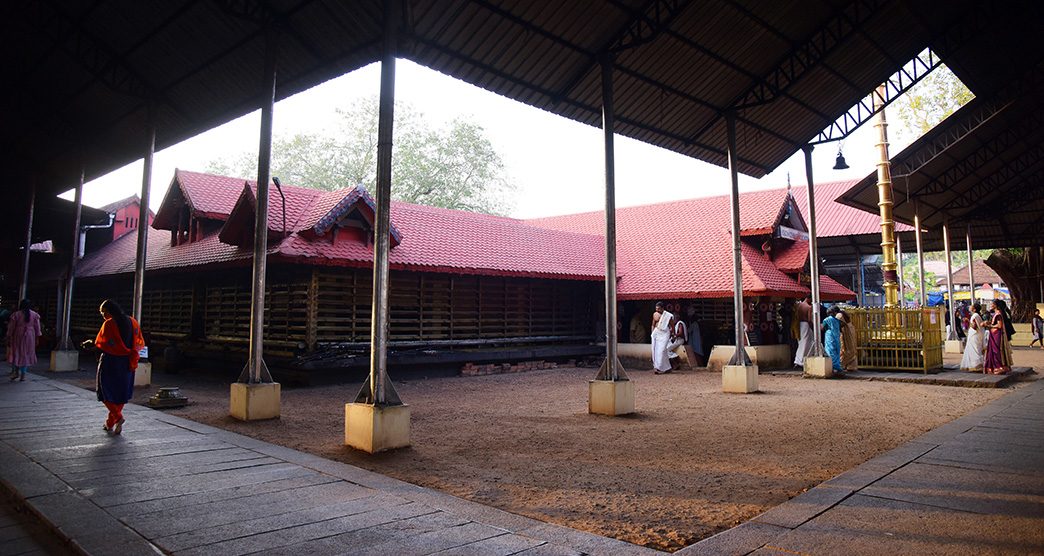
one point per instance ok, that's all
(973, 355)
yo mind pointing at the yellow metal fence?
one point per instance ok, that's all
(899, 339)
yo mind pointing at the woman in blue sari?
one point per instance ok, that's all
(832, 338)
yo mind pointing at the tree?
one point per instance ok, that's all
(929, 102)
(1021, 270)
(454, 166)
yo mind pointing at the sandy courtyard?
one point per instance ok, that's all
(691, 463)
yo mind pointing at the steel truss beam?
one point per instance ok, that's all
(803, 57)
(986, 153)
(900, 82)
(645, 25)
(949, 134)
(97, 57)
(1026, 189)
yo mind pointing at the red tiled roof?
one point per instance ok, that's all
(684, 248)
(433, 239)
(834, 219)
(211, 196)
(791, 258)
(674, 249)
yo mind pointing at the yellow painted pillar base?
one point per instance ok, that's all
(610, 397)
(65, 360)
(254, 402)
(143, 376)
(376, 428)
(819, 367)
(954, 346)
(739, 379)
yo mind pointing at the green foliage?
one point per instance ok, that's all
(933, 99)
(451, 167)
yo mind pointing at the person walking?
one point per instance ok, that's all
(997, 360)
(803, 315)
(849, 344)
(973, 355)
(119, 340)
(1038, 329)
(23, 329)
(662, 324)
(832, 338)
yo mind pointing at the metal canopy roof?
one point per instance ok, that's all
(982, 167)
(85, 70)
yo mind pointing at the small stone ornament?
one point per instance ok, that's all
(167, 397)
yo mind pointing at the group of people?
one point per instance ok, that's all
(669, 333)
(119, 341)
(988, 342)
(839, 336)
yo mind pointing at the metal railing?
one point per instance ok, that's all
(899, 339)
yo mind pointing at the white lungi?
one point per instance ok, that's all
(661, 336)
(804, 344)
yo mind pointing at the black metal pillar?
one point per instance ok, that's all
(378, 389)
(952, 335)
(65, 344)
(611, 369)
(740, 357)
(143, 214)
(971, 264)
(813, 257)
(256, 371)
(23, 286)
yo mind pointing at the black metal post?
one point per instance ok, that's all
(256, 371)
(23, 286)
(378, 390)
(143, 214)
(740, 357)
(65, 344)
(611, 369)
(813, 257)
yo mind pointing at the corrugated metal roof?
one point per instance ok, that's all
(85, 69)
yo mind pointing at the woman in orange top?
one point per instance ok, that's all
(119, 341)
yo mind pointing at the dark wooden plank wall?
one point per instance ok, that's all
(309, 306)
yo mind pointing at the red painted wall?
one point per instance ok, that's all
(126, 221)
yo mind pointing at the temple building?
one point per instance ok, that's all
(464, 286)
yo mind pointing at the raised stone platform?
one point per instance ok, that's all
(170, 485)
(971, 486)
(948, 377)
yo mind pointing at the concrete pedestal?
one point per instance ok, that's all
(376, 428)
(819, 367)
(254, 402)
(143, 376)
(739, 379)
(954, 346)
(65, 360)
(610, 397)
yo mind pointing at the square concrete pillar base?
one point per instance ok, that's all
(819, 367)
(254, 402)
(610, 397)
(739, 379)
(954, 346)
(65, 360)
(143, 376)
(376, 428)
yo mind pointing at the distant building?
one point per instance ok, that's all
(459, 280)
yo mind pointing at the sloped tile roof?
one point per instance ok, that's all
(834, 219)
(684, 248)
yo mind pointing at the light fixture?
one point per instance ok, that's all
(840, 164)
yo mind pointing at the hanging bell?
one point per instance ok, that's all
(840, 164)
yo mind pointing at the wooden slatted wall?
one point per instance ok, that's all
(441, 307)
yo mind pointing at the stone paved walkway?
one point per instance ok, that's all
(173, 485)
(972, 486)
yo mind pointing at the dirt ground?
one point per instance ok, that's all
(691, 463)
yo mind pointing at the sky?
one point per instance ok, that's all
(556, 163)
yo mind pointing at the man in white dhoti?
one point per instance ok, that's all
(662, 325)
(679, 337)
(803, 313)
